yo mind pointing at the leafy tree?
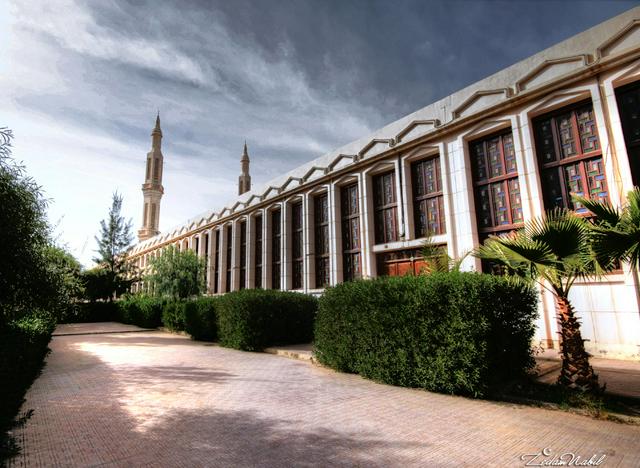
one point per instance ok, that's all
(96, 284)
(24, 238)
(554, 251)
(177, 274)
(113, 242)
(64, 281)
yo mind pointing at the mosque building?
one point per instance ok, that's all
(481, 161)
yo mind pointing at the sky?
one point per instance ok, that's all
(81, 82)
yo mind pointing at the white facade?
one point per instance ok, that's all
(588, 68)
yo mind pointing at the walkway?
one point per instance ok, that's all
(158, 399)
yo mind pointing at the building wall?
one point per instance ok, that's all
(590, 66)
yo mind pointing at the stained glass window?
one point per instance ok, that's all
(321, 231)
(428, 202)
(258, 258)
(385, 207)
(276, 234)
(243, 254)
(350, 214)
(216, 270)
(569, 156)
(296, 245)
(229, 239)
(497, 191)
(206, 255)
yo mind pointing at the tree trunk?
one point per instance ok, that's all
(576, 371)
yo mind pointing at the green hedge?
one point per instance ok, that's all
(200, 318)
(23, 347)
(459, 333)
(85, 312)
(253, 319)
(143, 311)
(173, 315)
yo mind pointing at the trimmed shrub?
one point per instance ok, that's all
(459, 333)
(85, 312)
(173, 315)
(200, 318)
(143, 311)
(23, 347)
(253, 319)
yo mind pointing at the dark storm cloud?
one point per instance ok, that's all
(370, 61)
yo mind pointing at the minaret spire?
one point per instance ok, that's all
(152, 189)
(244, 181)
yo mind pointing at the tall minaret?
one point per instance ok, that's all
(244, 181)
(152, 189)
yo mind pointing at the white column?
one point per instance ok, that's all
(335, 242)
(266, 249)
(285, 256)
(530, 193)
(366, 219)
(251, 251)
(445, 172)
(463, 203)
(307, 239)
(623, 180)
(407, 202)
(403, 183)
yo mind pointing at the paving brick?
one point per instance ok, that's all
(158, 399)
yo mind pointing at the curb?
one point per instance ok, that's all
(103, 332)
(292, 354)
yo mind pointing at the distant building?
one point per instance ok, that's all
(481, 161)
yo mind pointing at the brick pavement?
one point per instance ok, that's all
(157, 399)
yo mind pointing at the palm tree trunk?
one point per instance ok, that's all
(576, 371)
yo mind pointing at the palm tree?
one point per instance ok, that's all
(554, 251)
(436, 258)
(616, 234)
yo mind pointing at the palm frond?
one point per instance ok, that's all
(631, 215)
(518, 255)
(604, 212)
(561, 231)
(435, 255)
(455, 264)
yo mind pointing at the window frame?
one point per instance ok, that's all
(580, 159)
(229, 235)
(353, 255)
(258, 253)
(490, 181)
(276, 253)
(420, 200)
(380, 210)
(216, 270)
(321, 239)
(297, 246)
(243, 254)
